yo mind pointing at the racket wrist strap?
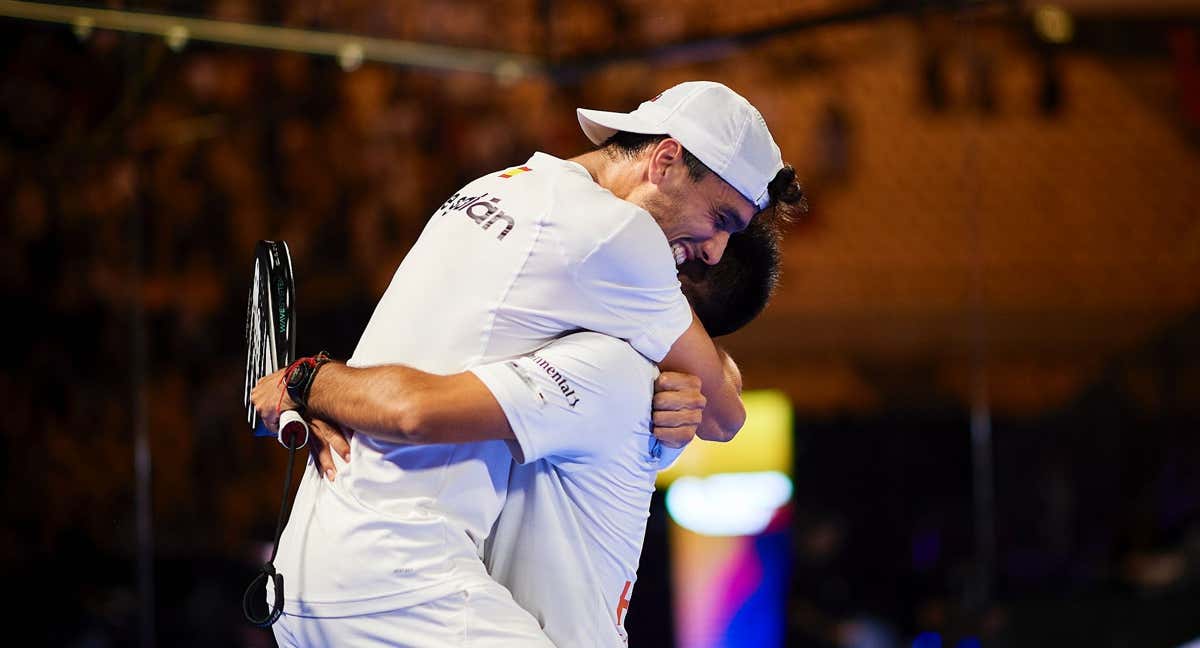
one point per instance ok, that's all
(300, 376)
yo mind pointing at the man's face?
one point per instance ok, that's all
(696, 216)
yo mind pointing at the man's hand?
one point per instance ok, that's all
(327, 438)
(678, 408)
(270, 398)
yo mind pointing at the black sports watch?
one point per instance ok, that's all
(300, 379)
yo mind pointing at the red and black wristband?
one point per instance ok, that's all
(300, 376)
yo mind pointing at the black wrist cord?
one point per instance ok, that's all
(267, 572)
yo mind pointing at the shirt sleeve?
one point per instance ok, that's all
(631, 278)
(573, 399)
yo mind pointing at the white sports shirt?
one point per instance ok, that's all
(569, 538)
(510, 262)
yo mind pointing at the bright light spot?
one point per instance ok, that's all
(1053, 24)
(83, 26)
(509, 72)
(350, 56)
(177, 37)
(728, 504)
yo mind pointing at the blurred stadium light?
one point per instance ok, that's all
(730, 540)
(764, 444)
(1139, 7)
(349, 49)
(731, 504)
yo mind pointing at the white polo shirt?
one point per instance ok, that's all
(569, 538)
(508, 263)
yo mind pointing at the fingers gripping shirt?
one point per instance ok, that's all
(569, 537)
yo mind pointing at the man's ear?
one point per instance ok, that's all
(667, 153)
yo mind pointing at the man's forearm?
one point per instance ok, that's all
(695, 353)
(372, 400)
(724, 415)
(733, 374)
(406, 405)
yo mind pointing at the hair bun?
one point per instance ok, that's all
(786, 191)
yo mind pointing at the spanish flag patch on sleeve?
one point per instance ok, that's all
(515, 171)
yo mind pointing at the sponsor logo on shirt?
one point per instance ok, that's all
(563, 386)
(481, 209)
(623, 604)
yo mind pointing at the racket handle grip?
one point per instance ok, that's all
(292, 428)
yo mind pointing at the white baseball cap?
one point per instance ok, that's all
(712, 122)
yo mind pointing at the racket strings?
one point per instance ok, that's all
(260, 335)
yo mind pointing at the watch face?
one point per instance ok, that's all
(296, 381)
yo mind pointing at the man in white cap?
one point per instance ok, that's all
(508, 263)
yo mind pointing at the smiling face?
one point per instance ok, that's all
(697, 216)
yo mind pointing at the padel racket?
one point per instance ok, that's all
(271, 333)
(270, 346)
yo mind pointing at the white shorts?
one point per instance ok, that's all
(483, 616)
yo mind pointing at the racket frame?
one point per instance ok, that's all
(270, 321)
